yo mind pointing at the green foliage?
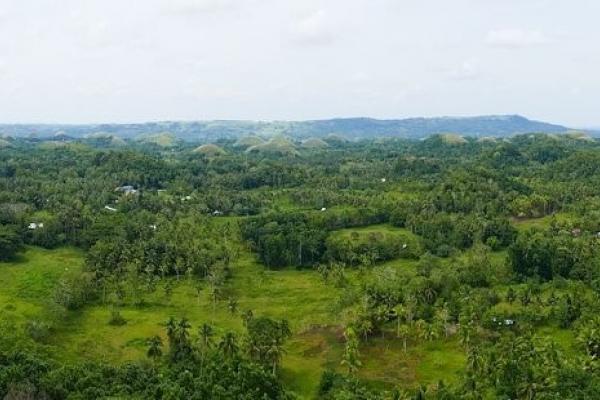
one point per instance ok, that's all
(116, 318)
(467, 253)
(372, 245)
(10, 242)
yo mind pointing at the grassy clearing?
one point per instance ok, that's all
(301, 296)
(387, 365)
(27, 284)
(379, 228)
(523, 224)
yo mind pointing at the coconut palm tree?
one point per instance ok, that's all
(404, 333)
(171, 329)
(205, 333)
(154, 347)
(232, 305)
(274, 354)
(400, 315)
(247, 317)
(351, 357)
(442, 316)
(228, 345)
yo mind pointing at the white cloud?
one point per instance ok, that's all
(312, 29)
(468, 70)
(100, 89)
(98, 34)
(204, 90)
(515, 38)
(187, 7)
(360, 77)
(296, 59)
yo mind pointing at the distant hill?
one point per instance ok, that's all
(162, 139)
(349, 128)
(210, 150)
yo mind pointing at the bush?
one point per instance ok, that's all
(74, 292)
(37, 330)
(369, 247)
(116, 319)
(10, 242)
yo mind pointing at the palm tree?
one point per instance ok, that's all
(442, 316)
(432, 332)
(154, 347)
(228, 345)
(421, 329)
(274, 353)
(198, 288)
(404, 333)
(171, 329)
(247, 316)
(429, 293)
(410, 306)
(205, 332)
(215, 292)
(365, 326)
(351, 357)
(475, 361)
(183, 330)
(284, 329)
(232, 305)
(400, 313)
(163, 270)
(465, 330)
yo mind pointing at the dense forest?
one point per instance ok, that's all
(444, 268)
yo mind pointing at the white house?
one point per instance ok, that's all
(127, 189)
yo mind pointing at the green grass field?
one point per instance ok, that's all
(28, 283)
(384, 229)
(541, 223)
(301, 296)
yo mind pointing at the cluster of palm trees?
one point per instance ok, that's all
(263, 342)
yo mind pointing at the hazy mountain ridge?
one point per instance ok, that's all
(351, 128)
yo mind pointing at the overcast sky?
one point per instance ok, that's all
(130, 61)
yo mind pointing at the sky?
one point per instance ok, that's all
(91, 61)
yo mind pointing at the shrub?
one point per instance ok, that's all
(116, 319)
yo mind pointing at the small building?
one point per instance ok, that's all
(383, 180)
(35, 225)
(323, 209)
(217, 213)
(505, 322)
(576, 232)
(126, 189)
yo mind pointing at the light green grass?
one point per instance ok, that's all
(379, 228)
(523, 224)
(29, 280)
(300, 296)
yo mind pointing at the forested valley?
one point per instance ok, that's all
(443, 268)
